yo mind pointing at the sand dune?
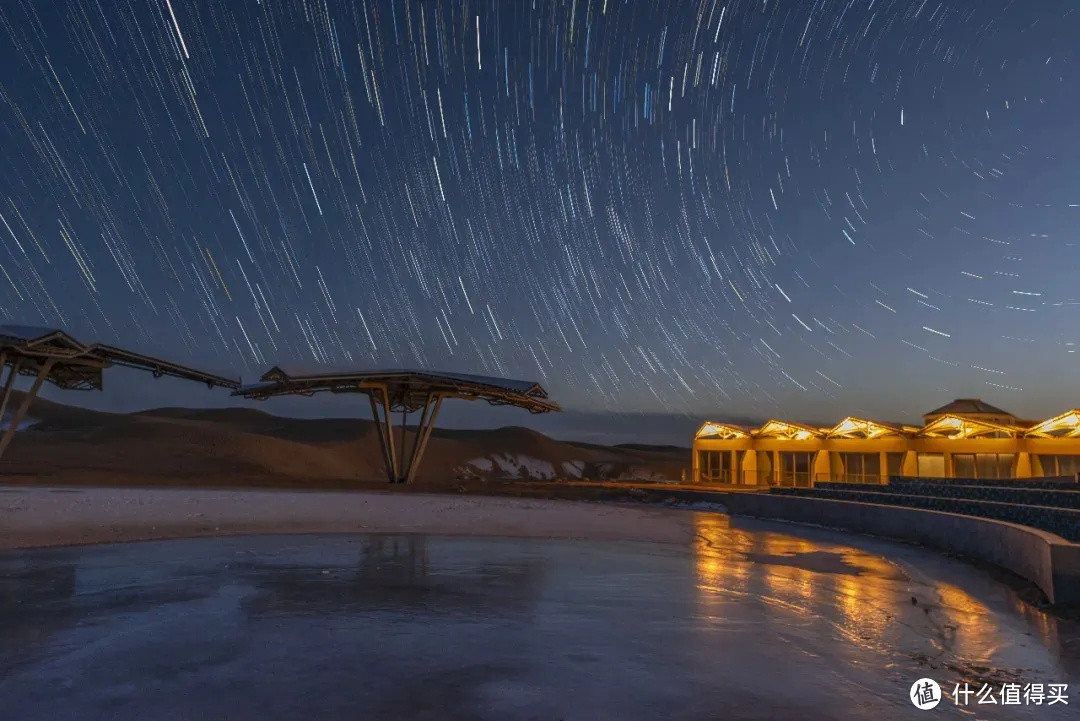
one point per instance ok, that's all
(243, 446)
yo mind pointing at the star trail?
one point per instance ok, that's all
(753, 207)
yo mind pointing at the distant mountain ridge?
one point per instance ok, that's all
(248, 446)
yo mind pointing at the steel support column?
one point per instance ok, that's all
(384, 428)
(25, 406)
(403, 456)
(407, 467)
(379, 433)
(16, 364)
(423, 434)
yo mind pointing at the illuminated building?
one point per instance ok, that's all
(963, 439)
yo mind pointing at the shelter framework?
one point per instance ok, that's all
(50, 354)
(405, 392)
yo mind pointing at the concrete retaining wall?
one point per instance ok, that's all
(1049, 561)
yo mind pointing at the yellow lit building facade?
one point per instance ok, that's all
(964, 439)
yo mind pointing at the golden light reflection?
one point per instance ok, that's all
(958, 601)
(1045, 624)
(859, 596)
(788, 581)
(966, 623)
(745, 573)
(720, 568)
(976, 625)
(867, 598)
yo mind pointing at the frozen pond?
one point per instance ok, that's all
(752, 622)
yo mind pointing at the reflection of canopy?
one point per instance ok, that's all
(406, 391)
(391, 572)
(50, 354)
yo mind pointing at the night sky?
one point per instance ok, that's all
(718, 208)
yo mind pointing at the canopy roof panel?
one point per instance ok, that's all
(407, 389)
(788, 430)
(855, 427)
(980, 420)
(1066, 425)
(297, 374)
(26, 333)
(956, 426)
(38, 341)
(725, 431)
(158, 367)
(78, 366)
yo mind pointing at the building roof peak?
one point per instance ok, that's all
(961, 406)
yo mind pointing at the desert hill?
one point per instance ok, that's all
(241, 446)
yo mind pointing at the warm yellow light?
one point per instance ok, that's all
(852, 427)
(718, 430)
(846, 426)
(789, 431)
(1067, 425)
(954, 427)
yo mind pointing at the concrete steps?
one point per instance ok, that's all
(1055, 497)
(1062, 521)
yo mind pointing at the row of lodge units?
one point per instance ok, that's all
(964, 439)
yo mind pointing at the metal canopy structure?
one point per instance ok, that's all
(50, 354)
(405, 391)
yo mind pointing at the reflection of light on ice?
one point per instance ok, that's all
(1047, 625)
(791, 583)
(858, 596)
(865, 608)
(824, 596)
(973, 627)
(719, 573)
(723, 565)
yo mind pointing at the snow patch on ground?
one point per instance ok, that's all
(506, 464)
(537, 468)
(25, 423)
(511, 466)
(484, 464)
(573, 469)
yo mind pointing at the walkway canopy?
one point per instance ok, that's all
(404, 391)
(50, 354)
